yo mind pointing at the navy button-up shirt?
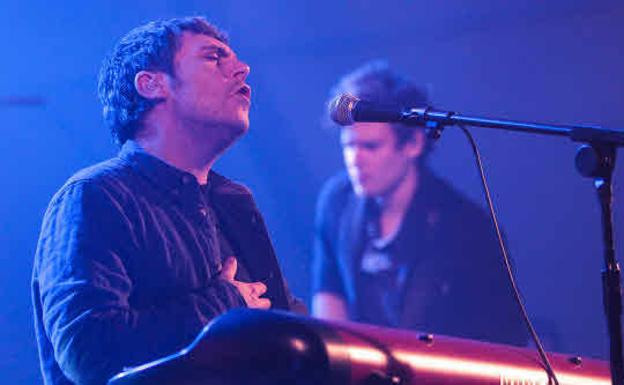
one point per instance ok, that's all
(127, 264)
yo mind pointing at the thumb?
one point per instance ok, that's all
(228, 272)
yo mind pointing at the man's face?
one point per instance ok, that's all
(208, 88)
(374, 161)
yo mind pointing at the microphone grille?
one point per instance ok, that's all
(341, 108)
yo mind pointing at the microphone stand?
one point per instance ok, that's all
(594, 159)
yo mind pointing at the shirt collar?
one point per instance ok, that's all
(159, 172)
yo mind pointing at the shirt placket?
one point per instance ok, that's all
(205, 223)
(209, 225)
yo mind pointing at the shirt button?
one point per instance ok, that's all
(203, 212)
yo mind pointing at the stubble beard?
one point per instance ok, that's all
(218, 137)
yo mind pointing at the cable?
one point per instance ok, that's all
(552, 378)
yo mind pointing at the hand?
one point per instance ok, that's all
(251, 291)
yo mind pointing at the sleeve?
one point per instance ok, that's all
(82, 263)
(325, 270)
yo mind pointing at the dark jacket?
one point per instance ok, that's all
(455, 282)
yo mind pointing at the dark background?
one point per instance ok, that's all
(558, 61)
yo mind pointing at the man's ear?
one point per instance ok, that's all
(151, 85)
(416, 144)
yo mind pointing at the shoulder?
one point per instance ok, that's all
(334, 198)
(467, 223)
(107, 172)
(86, 204)
(449, 199)
(107, 179)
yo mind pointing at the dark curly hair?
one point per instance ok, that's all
(376, 82)
(149, 47)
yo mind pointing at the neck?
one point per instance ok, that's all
(395, 202)
(174, 146)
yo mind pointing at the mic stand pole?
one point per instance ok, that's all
(598, 161)
(595, 159)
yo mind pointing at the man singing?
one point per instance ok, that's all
(399, 247)
(138, 253)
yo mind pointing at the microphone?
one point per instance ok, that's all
(347, 109)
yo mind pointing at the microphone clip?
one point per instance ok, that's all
(434, 130)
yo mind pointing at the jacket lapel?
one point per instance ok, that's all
(244, 227)
(352, 241)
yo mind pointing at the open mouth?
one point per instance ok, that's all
(245, 91)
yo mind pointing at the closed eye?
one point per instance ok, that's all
(214, 53)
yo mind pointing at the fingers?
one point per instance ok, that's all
(255, 290)
(228, 271)
(251, 292)
(258, 288)
(260, 303)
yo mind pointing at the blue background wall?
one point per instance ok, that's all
(555, 61)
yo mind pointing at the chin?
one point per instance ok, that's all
(236, 128)
(241, 124)
(240, 128)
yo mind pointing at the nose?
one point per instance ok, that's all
(359, 158)
(241, 70)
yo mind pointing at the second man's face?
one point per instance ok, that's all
(376, 164)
